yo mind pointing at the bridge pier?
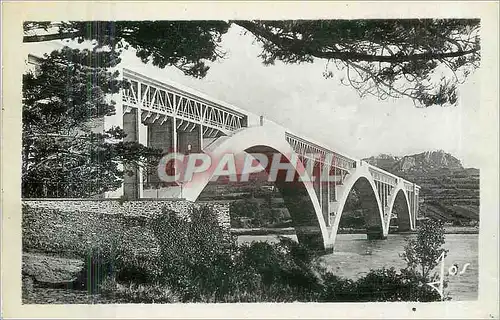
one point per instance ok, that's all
(312, 238)
(161, 132)
(160, 135)
(131, 177)
(375, 233)
(189, 141)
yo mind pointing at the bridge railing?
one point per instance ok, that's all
(410, 187)
(387, 177)
(304, 148)
(381, 176)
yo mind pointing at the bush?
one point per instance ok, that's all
(284, 263)
(195, 254)
(283, 271)
(381, 285)
(198, 261)
(389, 285)
(337, 289)
(138, 267)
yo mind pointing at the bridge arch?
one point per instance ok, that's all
(362, 181)
(299, 196)
(399, 200)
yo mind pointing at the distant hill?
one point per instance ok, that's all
(417, 163)
(449, 191)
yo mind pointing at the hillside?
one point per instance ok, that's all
(449, 191)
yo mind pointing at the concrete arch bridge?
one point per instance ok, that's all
(165, 115)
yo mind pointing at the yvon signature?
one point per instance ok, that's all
(452, 271)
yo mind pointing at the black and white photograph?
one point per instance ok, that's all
(316, 161)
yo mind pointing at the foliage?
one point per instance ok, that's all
(389, 285)
(195, 254)
(63, 153)
(197, 261)
(186, 45)
(253, 213)
(422, 59)
(335, 288)
(422, 253)
(200, 261)
(244, 208)
(286, 265)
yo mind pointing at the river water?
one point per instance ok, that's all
(354, 255)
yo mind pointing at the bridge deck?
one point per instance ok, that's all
(173, 99)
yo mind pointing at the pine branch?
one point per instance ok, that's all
(300, 47)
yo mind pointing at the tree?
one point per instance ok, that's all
(422, 253)
(195, 253)
(385, 58)
(421, 59)
(185, 45)
(247, 208)
(63, 153)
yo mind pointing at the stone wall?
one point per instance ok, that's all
(74, 226)
(142, 207)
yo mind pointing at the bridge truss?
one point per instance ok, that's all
(159, 101)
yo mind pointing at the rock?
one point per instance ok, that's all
(51, 270)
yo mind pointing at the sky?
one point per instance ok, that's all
(301, 99)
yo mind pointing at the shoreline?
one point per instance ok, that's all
(291, 231)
